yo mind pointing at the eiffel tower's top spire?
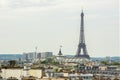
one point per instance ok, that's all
(82, 11)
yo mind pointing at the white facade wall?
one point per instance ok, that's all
(36, 73)
(18, 73)
(6, 73)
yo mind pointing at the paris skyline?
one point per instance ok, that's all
(47, 24)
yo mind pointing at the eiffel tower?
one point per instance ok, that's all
(82, 45)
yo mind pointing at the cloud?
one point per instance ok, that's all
(27, 3)
(44, 5)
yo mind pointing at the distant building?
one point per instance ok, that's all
(25, 57)
(38, 55)
(46, 55)
(108, 58)
(30, 56)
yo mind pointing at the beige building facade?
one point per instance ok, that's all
(19, 73)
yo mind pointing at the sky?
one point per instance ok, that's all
(47, 24)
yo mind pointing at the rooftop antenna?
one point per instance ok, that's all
(60, 53)
(35, 52)
(36, 49)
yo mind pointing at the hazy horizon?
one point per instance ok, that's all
(47, 24)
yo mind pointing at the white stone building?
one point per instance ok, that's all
(19, 73)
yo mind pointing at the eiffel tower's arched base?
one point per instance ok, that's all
(83, 56)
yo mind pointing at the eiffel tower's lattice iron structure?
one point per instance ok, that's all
(82, 45)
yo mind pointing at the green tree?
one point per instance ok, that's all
(44, 62)
(12, 63)
(105, 62)
(116, 63)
